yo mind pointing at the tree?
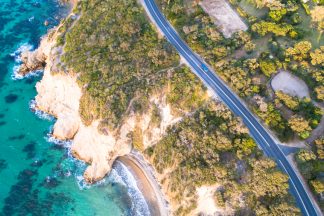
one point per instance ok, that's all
(318, 186)
(249, 47)
(268, 67)
(247, 145)
(267, 180)
(317, 14)
(305, 155)
(305, 159)
(296, 18)
(277, 15)
(318, 56)
(319, 90)
(251, 64)
(301, 126)
(300, 51)
(219, 198)
(275, 4)
(291, 102)
(264, 27)
(319, 145)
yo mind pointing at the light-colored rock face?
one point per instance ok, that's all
(99, 150)
(59, 95)
(66, 126)
(290, 84)
(31, 61)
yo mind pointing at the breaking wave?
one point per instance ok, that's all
(121, 175)
(40, 114)
(17, 56)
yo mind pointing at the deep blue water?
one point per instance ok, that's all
(38, 176)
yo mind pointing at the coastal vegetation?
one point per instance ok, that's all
(121, 63)
(213, 147)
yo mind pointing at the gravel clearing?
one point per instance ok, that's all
(290, 84)
(225, 17)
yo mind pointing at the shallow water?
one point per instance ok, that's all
(37, 174)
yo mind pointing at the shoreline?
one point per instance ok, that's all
(55, 97)
(146, 184)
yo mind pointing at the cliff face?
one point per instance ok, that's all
(59, 95)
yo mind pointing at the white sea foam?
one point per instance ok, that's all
(82, 184)
(65, 143)
(139, 205)
(79, 166)
(115, 177)
(22, 48)
(119, 175)
(17, 55)
(40, 114)
(31, 19)
(16, 76)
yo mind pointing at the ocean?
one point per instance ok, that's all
(38, 176)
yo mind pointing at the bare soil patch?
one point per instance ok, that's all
(225, 17)
(289, 84)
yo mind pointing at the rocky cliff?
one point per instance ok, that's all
(59, 95)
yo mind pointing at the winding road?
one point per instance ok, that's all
(259, 133)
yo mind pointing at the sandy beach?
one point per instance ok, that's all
(146, 183)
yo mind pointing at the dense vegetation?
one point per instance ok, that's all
(213, 147)
(117, 56)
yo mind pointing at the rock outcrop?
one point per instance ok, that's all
(31, 61)
(37, 59)
(59, 96)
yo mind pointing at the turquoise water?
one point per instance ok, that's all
(37, 175)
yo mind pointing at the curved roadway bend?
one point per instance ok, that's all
(261, 136)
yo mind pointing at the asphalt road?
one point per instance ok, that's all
(209, 77)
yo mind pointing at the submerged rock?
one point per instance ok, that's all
(11, 98)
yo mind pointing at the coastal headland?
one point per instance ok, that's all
(59, 95)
